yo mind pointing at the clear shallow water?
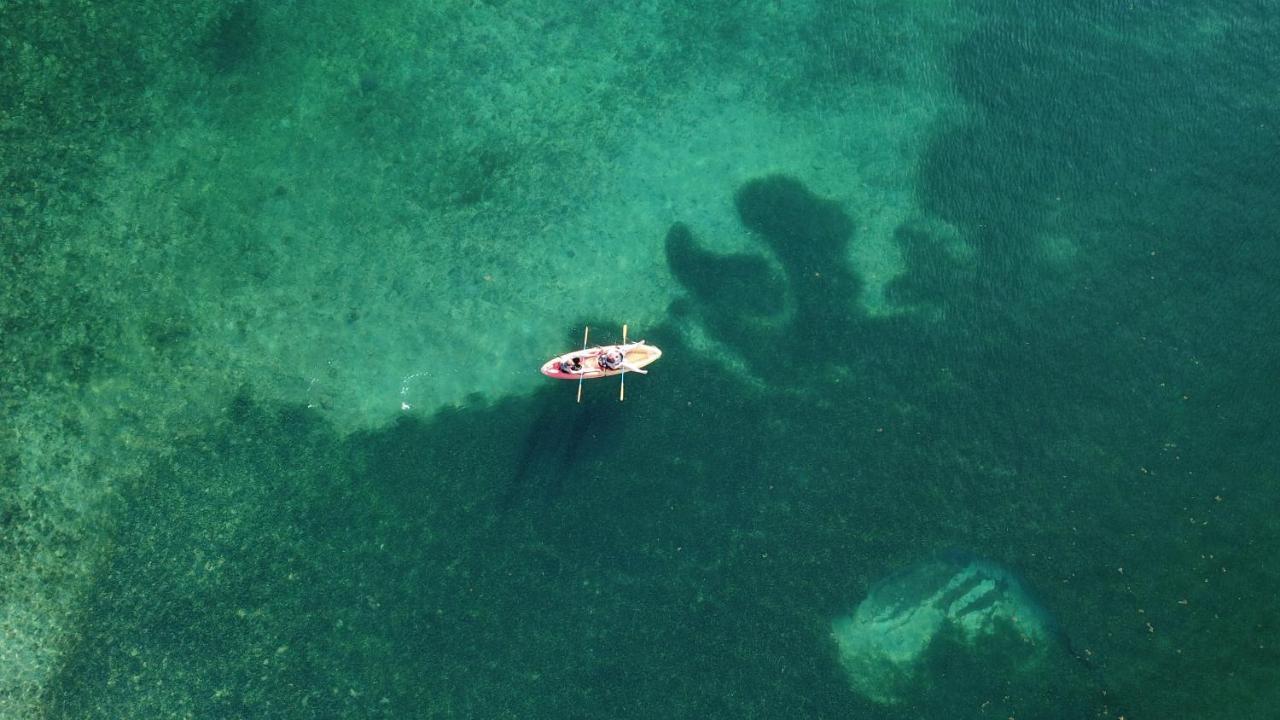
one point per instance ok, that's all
(225, 255)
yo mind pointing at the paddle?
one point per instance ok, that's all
(581, 375)
(622, 389)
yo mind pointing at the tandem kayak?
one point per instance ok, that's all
(635, 356)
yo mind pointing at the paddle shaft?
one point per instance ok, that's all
(622, 379)
(582, 376)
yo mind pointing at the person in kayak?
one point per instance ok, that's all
(615, 359)
(610, 359)
(573, 365)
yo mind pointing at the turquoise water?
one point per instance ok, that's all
(953, 279)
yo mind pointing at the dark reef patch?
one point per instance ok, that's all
(235, 38)
(729, 283)
(808, 235)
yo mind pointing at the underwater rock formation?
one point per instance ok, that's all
(954, 605)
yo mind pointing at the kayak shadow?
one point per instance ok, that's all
(562, 435)
(551, 451)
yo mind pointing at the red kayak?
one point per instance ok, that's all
(599, 362)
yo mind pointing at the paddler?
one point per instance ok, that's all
(614, 359)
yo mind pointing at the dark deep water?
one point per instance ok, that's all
(1099, 416)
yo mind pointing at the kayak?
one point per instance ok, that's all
(585, 364)
(635, 354)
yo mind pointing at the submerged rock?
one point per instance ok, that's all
(915, 623)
